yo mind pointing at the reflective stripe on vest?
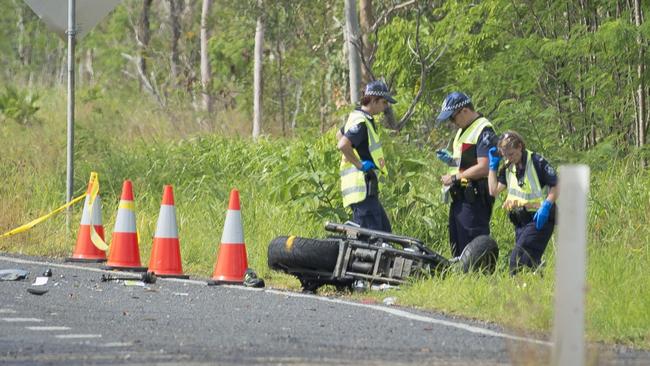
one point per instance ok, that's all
(469, 136)
(353, 182)
(531, 192)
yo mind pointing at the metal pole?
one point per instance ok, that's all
(70, 164)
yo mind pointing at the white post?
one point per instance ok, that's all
(570, 266)
(70, 163)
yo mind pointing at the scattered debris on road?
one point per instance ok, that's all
(36, 291)
(13, 274)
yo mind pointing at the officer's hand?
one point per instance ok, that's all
(367, 165)
(541, 216)
(444, 155)
(494, 157)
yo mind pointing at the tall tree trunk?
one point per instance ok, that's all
(258, 83)
(63, 66)
(24, 39)
(206, 74)
(354, 61)
(294, 117)
(86, 71)
(143, 37)
(175, 9)
(278, 49)
(641, 97)
(22, 34)
(367, 19)
(323, 106)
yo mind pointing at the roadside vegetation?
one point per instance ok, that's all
(289, 186)
(166, 95)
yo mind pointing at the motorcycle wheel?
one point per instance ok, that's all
(292, 252)
(480, 255)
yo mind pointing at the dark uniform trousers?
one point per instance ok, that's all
(370, 214)
(467, 220)
(530, 243)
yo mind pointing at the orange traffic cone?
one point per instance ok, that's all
(124, 252)
(231, 260)
(86, 251)
(165, 258)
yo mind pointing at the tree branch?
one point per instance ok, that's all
(425, 67)
(388, 13)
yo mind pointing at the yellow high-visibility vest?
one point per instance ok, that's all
(531, 193)
(353, 182)
(469, 136)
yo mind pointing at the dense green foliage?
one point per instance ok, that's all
(289, 186)
(563, 74)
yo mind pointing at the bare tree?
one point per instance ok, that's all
(354, 62)
(257, 73)
(143, 36)
(367, 19)
(640, 99)
(206, 73)
(424, 59)
(279, 51)
(24, 38)
(175, 10)
(86, 70)
(426, 63)
(370, 25)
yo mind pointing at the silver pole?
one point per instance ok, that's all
(70, 163)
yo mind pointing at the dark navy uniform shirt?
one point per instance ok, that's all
(358, 136)
(545, 172)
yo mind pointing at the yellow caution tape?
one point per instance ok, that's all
(94, 190)
(33, 223)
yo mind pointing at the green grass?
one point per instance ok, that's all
(289, 186)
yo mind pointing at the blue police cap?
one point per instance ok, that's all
(378, 88)
(453, 102)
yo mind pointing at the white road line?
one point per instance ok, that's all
(48, 328)
(116, 344)
(392, 311)
(7, 311)
(17, 320)
(425, 319)
(77, 336)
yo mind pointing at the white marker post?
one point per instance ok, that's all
(570, 266)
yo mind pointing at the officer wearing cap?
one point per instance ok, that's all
(465, 182)
(362, 163)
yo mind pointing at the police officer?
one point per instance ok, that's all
(362, 163)
(532, 191)
(465, 183)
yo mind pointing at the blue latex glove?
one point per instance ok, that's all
(367, 165)
(444, 155)
(494, 158)
(541, 216)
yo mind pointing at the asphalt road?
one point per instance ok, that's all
(81, 320)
